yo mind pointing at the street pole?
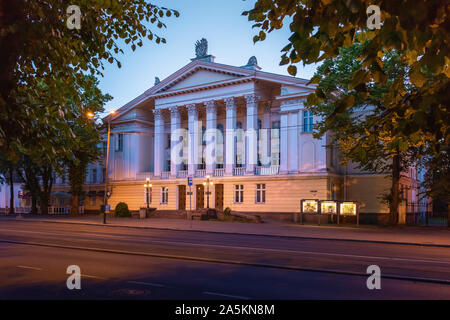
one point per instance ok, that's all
(105, 200)
(148, 193)
(207, 183)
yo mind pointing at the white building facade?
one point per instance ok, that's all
(246, 129)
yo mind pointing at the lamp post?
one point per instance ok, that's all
(207, 183)
(105, 199)
(148, 187)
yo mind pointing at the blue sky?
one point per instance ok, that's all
(229, 36)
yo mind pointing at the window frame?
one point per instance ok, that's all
(164, 199)
(120, 142)
(238, 193)
(260, 193)
(308, 121)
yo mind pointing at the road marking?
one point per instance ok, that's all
(221, 261)
(147, 284)
(225, 295)
(28, 267)
(256, 248)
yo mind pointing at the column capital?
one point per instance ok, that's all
(230, 101)
(174, 110)
(158, 114)
(252, 98)
(192, 109)
(210, 106)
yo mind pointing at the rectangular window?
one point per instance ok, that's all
(119, 142)
(260, 193)
(307, 121)
(104, 147)
(94, 175)
(238, 193)
(103, 174)
(164, 195)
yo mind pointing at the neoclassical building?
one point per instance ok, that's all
(246, 129)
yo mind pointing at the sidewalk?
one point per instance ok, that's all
(398, 235)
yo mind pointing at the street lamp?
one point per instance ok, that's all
(148, 187)
(207, 183)
(105, 199)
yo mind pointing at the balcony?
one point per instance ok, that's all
(182, 174)
(219, 172)
(267, 171)
(239, 171)
(200, 173)
(165, 175)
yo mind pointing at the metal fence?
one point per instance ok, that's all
(424, 215)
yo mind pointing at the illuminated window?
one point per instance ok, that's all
(238, 193)
(164, 195)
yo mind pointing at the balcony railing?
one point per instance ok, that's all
(58, 210)
(200, 173)
(165, 175)
(239, 171)
(264, 171)
(219, 172)
(182, 174)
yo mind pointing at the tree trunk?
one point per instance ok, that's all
(75, 204)
(11, 189)
(47, 182)
(395, 191)
(34, 204)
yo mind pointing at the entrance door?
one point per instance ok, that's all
(182, 197)
(219, 196)
(200, 199)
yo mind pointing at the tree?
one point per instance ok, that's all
(7, 168)
(29, 173)
(416, 30)
(358, 133)
(45, 58)
(85, 150)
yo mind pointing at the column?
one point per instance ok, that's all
(158, 145)
(175, 143)
(211, 127)
(293, 142)
(195, 141)
(264, 136)
(230, 130)
(251, 133)
(284, 143)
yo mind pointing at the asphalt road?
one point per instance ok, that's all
(131, 263)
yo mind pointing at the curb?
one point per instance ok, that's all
(244, 234)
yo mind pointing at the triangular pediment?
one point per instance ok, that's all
(199, 73)
(200, 77)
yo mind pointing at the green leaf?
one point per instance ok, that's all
(292, 70)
